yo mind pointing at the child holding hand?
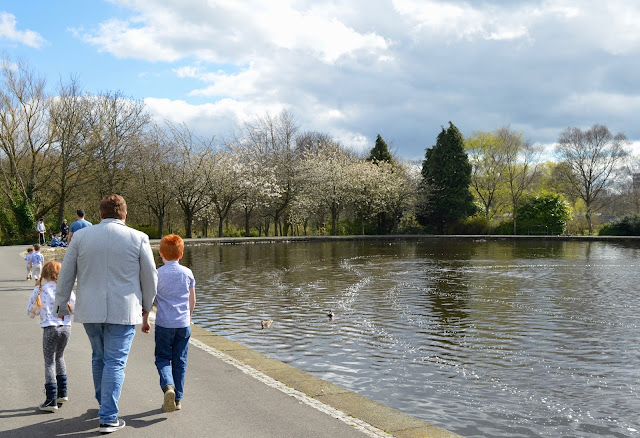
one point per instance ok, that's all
(175, 302)
(55, 335)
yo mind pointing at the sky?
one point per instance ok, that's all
(351, 69)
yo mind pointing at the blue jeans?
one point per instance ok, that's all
(172, 346)
(110, 344)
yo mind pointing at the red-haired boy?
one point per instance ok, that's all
(175, 302)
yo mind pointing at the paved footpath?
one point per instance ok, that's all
(230, 390)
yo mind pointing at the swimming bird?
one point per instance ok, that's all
(266, 324)
(330, 314)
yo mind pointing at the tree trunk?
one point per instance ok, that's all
(188, 224)
(160, 225)
(60, 213)
(335, 213)
(267, 225)
(247, 215)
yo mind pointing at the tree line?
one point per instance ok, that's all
(65, 150)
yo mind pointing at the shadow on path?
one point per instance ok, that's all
(84, 426)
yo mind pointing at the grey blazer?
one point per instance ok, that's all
(116, 274)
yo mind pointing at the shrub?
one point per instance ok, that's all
(410, 225)
(149, 230)
(546, 211)
(627, 226)
(230, 230)
(476, 224)
(503, 228)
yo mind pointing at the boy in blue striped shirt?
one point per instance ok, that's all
(175, 302)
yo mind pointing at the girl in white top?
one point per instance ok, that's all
(57, 331)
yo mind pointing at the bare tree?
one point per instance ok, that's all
(67, 115)
(313, 142)
(25, 136)
(591, 158)
(116, 123)
(191, 179)
(153, 173)
(629, 186)
(520, 165)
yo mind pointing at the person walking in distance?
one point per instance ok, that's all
(29, 259)
(78, 224)
(116, 285)
(37, 261)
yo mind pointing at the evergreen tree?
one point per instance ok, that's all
(446, 176)
(380, 152)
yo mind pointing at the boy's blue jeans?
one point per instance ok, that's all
(172, 346)
(110, 345)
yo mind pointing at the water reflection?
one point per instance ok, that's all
(505, 339)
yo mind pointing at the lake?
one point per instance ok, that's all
(507, 338)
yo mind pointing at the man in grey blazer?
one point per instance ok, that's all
(117, 282)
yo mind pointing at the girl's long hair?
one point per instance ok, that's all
(50, 271)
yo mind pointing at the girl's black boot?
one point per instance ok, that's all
(51, 403)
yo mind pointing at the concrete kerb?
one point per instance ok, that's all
(381, 417)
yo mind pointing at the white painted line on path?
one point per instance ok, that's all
(270, 381)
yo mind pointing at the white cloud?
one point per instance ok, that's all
(221, 117)
(611, 25)
(208, 119)
(464, 20)
(599, 102)
(353, 140)
(241, 85)
(402, 68)
(124, 41)
(9, 31)
(223, 31)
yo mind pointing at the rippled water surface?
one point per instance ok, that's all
(484, 338)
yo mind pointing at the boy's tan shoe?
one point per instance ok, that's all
(169, 399)
(178, 405)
